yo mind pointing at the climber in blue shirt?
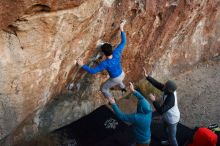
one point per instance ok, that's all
(141, 120)
(112, 64)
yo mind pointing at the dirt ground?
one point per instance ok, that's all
(198, 95)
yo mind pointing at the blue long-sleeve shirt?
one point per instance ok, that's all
(113, 66)
(141, 120)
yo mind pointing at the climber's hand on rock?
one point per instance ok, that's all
(152, 97)
(145, 72)
(74, 62)
(123, 22)
(80, 62)
(111, 100)
(131, 86)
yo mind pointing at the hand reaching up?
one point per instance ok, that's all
(123, 22)
(152, 97)
(145, 72)
(80, 62)
(111, 100)
(131, 86)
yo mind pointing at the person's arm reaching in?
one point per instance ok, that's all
(131, 118)
(154, 82)
(141, 98)
(136, 93)
(121, 46)
(98, 68)
(168, 103)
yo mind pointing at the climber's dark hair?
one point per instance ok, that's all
(107, 49)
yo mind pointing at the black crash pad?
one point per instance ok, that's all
(99, 128)
(103, 128)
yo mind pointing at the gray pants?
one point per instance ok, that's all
(111, 82)
(170, 130)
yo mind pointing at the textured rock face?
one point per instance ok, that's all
(41, 39)
(11, 10)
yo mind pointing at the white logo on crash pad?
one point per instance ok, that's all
(110, 123)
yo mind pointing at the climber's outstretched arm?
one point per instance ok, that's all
(95, 70)
(121, 46)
